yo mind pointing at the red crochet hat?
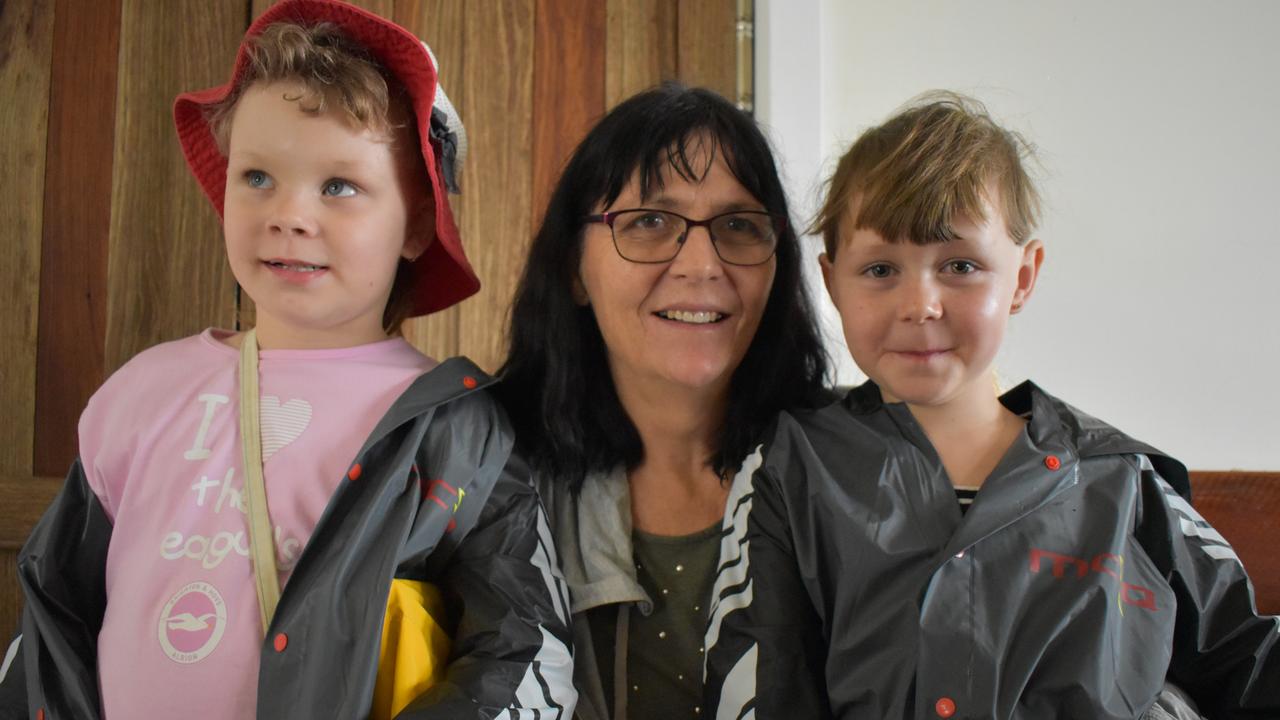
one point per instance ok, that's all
(441, 276)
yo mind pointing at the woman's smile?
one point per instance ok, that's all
(687, 322)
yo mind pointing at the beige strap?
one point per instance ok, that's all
(261, 547)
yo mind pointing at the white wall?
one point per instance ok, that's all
(1158, 128)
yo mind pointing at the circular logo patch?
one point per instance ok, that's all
(192, 622)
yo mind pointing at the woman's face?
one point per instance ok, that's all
(682, 325)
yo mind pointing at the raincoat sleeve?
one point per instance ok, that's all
(13, 681)
(61, 570)
(1225, 655)
(765, 647)
(511, 652)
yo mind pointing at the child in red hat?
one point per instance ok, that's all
(292, 521)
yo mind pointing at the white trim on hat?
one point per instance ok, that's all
(452, 120)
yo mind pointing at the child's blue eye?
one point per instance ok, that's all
(257, 179)
(339, 188)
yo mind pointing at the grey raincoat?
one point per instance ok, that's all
(490, 554)
(593, 533)
(851, 586)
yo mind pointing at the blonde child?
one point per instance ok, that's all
(926, 548)
(167, 579)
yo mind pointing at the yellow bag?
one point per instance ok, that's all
(415, 647)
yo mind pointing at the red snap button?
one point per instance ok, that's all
(1052, 462)
(945, 707)
(469, 382)
(40, 714)
(354, 472)
(281, 642)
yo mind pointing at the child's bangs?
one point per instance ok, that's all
(332, 72)
(927, 168)
(912, 177)
(919, 207)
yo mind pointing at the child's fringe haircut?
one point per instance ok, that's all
(923, 167)
(332, 69)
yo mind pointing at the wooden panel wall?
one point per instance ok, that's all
(77, 204)
(26, 41)
(569, 86)
(107, 245)
(26, 50)
(496, 203)
(642, 46)
(165, 242)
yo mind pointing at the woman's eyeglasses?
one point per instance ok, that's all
(741, 237)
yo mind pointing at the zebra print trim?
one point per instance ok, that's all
(1190, 522)
(733, 590)
(546, 691)
(9, 657)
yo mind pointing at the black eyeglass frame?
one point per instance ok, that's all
(779, 228)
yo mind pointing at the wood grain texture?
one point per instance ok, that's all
(1245, 508)
(24, 499)
(641, 46)
(77, 205)
(26, 42)
(708, 45)
(442, 24)
(10, 597)
(167, 271)
(385, 8)
(497, 211)
(568, 85)
(257, 7)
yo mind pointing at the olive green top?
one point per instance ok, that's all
(664, 659)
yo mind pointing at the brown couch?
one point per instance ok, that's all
(1245, 508)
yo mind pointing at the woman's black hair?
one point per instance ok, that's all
(556, 383)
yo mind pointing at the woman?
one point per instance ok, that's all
(660, 325)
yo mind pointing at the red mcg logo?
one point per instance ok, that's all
(1104, 564)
